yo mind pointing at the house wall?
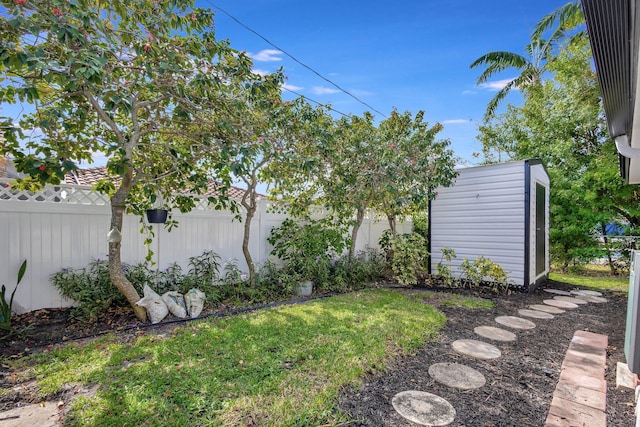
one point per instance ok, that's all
(482, 214)
(66, 227)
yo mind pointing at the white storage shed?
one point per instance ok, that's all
(497, 211)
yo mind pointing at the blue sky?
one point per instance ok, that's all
(411, 55)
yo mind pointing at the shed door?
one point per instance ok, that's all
(541, 252)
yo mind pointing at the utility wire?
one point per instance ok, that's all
(295, 59)
(317, 102)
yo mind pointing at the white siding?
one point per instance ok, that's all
(482, 214)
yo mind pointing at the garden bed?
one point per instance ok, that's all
(519, 384)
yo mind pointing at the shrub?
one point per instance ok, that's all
(483, 270)
(6, 307)
(410, 257)
(308, 248)
(90, 288)
(443, 271)
(421, 225)
(352, 273)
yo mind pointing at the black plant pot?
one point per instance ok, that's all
(157, 216)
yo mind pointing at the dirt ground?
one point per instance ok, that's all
(519, 384)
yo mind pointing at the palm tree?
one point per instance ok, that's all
(531, 70)
(568, 18)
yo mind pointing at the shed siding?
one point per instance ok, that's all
(482, 214)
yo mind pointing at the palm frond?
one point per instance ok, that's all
(567, 18)
(497, 62)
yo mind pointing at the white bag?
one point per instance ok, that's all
(156, 308)
(175, 303)
(194, 300)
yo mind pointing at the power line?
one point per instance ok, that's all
(317, 102)
(295, 59)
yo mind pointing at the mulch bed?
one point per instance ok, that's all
(519, 386)
(520, 383)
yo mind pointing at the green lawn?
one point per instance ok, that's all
(594, 277)
(280, 367)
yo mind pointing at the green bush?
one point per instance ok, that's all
(484, 271)
(308, 248)
(352, 273)
(443, 271)
(410, 258)
(91, 288)
(421, 225)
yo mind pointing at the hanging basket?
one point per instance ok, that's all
(157, 216)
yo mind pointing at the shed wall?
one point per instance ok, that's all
(482, 214)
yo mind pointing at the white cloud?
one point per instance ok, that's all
(455, 121)
(260, 72)
(469, 92)
(267, 55)
(496, 85)
(291, 87)
(323, 90)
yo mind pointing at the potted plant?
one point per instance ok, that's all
(157, 214)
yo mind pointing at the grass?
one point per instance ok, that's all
(281, 367)
(455, 300)
(594, 277)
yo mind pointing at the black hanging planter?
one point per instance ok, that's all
(157, 216)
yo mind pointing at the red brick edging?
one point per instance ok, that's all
(580, 397)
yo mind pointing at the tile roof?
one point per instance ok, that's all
(91, 176)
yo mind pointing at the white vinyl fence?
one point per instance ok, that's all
(66, 227)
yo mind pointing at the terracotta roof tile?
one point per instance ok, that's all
(91, 176)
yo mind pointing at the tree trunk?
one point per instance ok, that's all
(251, 210)
(392, 225)
(115, 264)
(354, 231)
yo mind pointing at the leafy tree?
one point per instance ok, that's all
(268, 135)
(412, 166)
(144, 82)
(562, 122)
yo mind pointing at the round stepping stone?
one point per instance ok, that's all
(457, 376)
(423, 408)
(535, 314)
(546, 308)
(589, 298)
(494, 333)
(477, 349)
(560, 304)
(557, 292)
(573, 300)
(515, 322)
(586, 292)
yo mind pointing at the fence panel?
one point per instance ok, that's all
(66, 227)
